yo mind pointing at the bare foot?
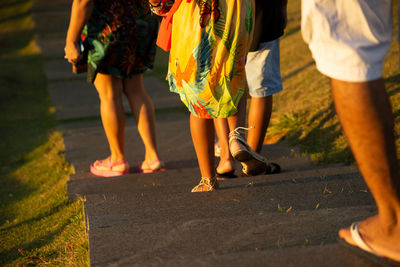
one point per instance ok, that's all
(384, 241)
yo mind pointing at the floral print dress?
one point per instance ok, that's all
(209, 44)
(119, 38)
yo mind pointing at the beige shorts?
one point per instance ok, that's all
(349, 39)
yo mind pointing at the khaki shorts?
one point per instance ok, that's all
(263, 70)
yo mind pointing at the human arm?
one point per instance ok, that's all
(80, 13)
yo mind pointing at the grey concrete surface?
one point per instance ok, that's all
(51, 46)
(286, 219)
(75, 98)
(325, 255)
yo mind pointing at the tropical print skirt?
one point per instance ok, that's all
(209, 44)
(119, 38)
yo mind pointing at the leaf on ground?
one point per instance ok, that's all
(280, 209)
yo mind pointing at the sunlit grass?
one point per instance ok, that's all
(38, 224)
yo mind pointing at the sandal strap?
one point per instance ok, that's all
(107, 163)
(235, 135)
(355, 234)
(209, 183)
(237, 130)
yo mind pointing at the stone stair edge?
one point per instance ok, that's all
(332, 254)
(100, 185)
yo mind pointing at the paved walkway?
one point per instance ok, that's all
(288, 219)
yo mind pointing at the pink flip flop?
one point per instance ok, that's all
(106, 168)
(156, 165)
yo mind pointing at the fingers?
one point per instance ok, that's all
(72, 53)
(74, 58)
(70, 60)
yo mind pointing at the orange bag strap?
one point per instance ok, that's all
(165, 31)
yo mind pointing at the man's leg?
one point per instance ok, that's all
(264, 78)
(366, 117)
(259, 117)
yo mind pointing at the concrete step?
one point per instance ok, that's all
(51, 46)
(52, 20)
(124, 239)
(154, 219)
(86, 142)
(77, 99)
(48, 6)
(305, 256)
(60, 70)
(182, 179)
(165, 223)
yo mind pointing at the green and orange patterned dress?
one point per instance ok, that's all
(119, 38)
(209, 44)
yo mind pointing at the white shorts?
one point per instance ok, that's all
(263, 71)
(349, 39)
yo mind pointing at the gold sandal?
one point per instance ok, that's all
(206, 184)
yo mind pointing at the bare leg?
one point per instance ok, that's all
(223, 126)
(202, 131)
(259, 117)
(112, 113)
(239, 118)
(226, 163)
(365, 114)
(143, 112)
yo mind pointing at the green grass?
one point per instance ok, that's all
(38, 224)
(303, 113)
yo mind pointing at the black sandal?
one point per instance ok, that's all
(225, 175)
(272, 168)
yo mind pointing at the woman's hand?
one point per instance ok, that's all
(80, 13)
(72, 52)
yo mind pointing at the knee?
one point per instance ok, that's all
(110, 96)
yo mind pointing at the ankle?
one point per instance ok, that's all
(211, 182)
(152, 161)
(151, 157)
(389, 222)
(117, 157)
